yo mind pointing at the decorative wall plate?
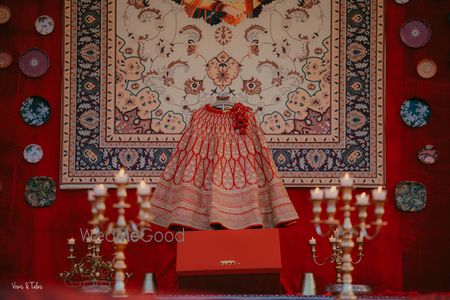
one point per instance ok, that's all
(415, 112)
(40, 191)
(34, 62)
(6, 59)
(415, 33)
(428, 155)
(5, 14)
(33, 153)
(44, 25)
(410, 196)
(401, 1)
(426, 68)
(35, 111)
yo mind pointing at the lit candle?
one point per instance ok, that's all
(332, 239)
(331, 193)
(121, 177)
(346, 181)
(316, 194)
(379, 194)
(143, 189)
(362, 199)
(312, 241)
(100, 190)
(71, 241)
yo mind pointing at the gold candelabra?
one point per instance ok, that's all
(93, 273)
(113, 270)
(343, 231)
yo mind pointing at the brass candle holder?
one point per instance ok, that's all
(92, 273)
(85, 272)
(343, 231)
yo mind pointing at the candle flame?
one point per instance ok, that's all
(101, 186)
(380, 189)
(347, 176)
(363, 195)
(333, 188)
(122, 171)
(142, 183)
(316, 189)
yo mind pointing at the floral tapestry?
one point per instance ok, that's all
(311, 70)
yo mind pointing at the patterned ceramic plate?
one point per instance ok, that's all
(35, 111)
(33, 153)
(40, 191)
(426, 68)
(415, 112)
(34, 62)
(6, 59)
(44, 25)
(415, 33)
(5, 14)
(428, 155)
(401, 1)
(410, 196)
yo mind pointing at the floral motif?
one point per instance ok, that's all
(170, 123)
(316, 158)
(89, 119)
(128, 157)
(138, 4)
(132, 68)
(356, 120)
(356, 52)
(193, 86)
(222, 69)
(251, 86)
(223, 35)
(90, 52)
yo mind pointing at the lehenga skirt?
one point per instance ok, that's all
(222, 174)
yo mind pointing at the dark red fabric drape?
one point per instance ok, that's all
(412, 252)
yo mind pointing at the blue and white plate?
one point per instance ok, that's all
(415, 112)
(410, 196)
(33, 153)
(35, 111)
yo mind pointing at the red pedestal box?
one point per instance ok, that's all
(230, 261)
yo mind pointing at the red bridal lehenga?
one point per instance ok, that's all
(222, 174)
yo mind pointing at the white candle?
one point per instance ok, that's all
(379, 194)
(100, 190)
(91, 195)
(360, 238)
(121, 177)
(346, 181)
(362, 199)
(312, 241)
(143, 189)
(331, 193)
(316, 194)
(71, 241)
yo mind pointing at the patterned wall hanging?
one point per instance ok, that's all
(311, 70)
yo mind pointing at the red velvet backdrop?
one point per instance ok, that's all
(411, 253)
